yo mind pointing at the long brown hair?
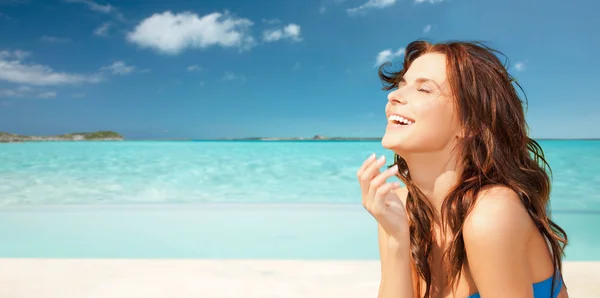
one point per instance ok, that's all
(495, 150)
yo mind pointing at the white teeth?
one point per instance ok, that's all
(400, 119)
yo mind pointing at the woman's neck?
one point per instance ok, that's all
(434, 173)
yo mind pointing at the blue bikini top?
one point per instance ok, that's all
(541, 289)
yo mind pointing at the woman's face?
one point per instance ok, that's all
(421, 112)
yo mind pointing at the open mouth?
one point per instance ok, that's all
(399, 120)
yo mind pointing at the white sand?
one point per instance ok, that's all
(110, 278)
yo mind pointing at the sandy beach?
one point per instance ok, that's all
(182, 278)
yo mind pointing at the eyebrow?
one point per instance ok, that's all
(421, 80)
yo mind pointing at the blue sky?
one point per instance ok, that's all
(211, 69)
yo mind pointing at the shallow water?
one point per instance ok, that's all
(221, 231)
(136, 172)
(260, 200)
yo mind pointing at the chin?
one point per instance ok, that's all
(397, 138)
(403, 143)
(394, 143)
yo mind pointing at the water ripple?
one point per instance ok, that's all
(236, 172)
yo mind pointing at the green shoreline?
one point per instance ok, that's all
(75, 137)
(299, 139)
(114, 136)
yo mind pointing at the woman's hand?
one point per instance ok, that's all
(381, 200)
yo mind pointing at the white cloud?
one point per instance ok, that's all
(388, 56)
(119, 68)
(102, 8)
(371, 4)
(520, 66)
(194, 67)
(54, 39)
(13, 69)
(26, 92)
(429, 1)
(272, 35)
(230, 76)
(94, 5)
(16, 54)
(170, 33)
(427, 29)
(291, 31)
(103, 29)
(326, 3)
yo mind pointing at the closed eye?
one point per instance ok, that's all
(423, 90)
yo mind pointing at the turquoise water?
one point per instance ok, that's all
(243, 172)
(290, 200)
(221, 231)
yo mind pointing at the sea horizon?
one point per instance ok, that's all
(316, 138)
(274, 139)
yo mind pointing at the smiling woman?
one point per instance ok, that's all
(472, 219)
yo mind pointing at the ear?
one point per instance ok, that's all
(462, 132)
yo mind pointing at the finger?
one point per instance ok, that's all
(380, 194)
(368, 175)
(372, 169)
(365, 164)
(380, 179)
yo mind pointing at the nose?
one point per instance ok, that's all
(396, 97)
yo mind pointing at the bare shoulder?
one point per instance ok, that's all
(498, 217)
(496, 235)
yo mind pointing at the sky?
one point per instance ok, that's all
(165, 69)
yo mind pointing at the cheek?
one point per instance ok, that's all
(437, 121)
(434, 113)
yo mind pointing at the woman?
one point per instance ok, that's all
(472, 219)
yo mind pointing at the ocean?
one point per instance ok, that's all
(229, 199)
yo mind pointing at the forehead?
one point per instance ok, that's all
(430, 65)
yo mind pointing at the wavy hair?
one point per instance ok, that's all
(495, 149)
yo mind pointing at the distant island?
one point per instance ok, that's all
(77, 136)
(315, 138)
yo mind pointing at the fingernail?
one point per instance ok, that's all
(372, 156)
(382, 158)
